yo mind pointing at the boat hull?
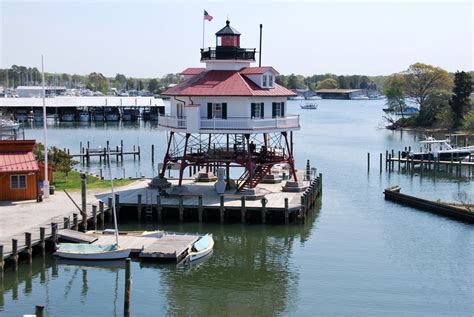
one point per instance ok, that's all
(193, 256)
(103, 256)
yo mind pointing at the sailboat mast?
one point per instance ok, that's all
(113, 203)
(46, 180)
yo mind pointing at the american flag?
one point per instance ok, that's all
(207, 16)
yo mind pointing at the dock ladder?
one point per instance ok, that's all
(148, 206)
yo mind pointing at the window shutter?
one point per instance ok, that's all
(273, 109)
(224, 110)
(252, 110)
(282, 109)
(209, 110)
(262, 108)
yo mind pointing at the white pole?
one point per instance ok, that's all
(113, 203)
(203, 26)
(46, 180)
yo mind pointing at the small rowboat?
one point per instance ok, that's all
(85, 251)
(309, 106)
(201, 248)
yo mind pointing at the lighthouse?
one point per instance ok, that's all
(228, 116)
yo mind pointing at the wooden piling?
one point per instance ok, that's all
(29, 247)
(84, 202)
(264, 210)
(221, 208)
(102, 214)
(14, 255)
(54, 232)
(94, 216)
(200, 208)
(117, 204)
(109, 205)
(181, 209)
(368, 162)
(139, 207)
(66, 223)
(75, 223)
(287, 212)
(243, 209)
(152, 153)
(2, 261)
(39, 311)
(128, 285)
(158, 206)
(42, 242)
(381, 158)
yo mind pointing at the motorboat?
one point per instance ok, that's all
(315, 97)
(360, 97)
(309, 106)
(441, 150)
(127, 114)
(201, 248)
(112, 114)
(8, 125)
(67, 117)
(84, 116)
(21, 115)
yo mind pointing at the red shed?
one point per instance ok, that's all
(19, 171)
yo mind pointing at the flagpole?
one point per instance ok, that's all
(46, 181)
(203, 26)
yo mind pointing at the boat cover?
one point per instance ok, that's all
(86, 248)
(203, 243)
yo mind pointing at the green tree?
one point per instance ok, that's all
(445, 118)
(153, 85)
(342, 82)
(98, 82)
(422, 80)
(59, 159)
(469, 121)
(393, 90)
(328, 83)
(460, 102)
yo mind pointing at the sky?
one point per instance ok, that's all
(153, 38)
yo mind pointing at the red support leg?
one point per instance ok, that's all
(166, 159)
(183, 159)
(290, 156)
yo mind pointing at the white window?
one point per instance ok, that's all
(217, 110)
(18, 181)
(270, 81)
(180, 110)
(278, 109)
(257, 110)
(264, 84)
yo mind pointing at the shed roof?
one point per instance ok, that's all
(18, 162)
(258, 70)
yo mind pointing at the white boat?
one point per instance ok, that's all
(296, 98)
(442, 150)
(84, 116)
(85, 251)
(360, 97)
(201, 248)
(309, 106)
(8, 125)
(67, 117)
(314, 98)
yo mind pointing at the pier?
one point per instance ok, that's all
(444, 209)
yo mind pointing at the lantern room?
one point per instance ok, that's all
(228, 36)
(228, 48)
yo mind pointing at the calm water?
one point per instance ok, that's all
(358, 254)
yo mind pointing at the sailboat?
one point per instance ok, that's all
(86, 251)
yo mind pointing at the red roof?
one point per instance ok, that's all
(18, 162)
(193, 71)
(257, 70)
(224, 83)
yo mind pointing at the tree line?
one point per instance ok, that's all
(443, 99)
(330, 81)
(30, 76)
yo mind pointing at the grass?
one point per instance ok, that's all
(73, 181)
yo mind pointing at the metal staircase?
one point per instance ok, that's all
(247, 181)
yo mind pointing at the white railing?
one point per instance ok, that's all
(290, 122)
